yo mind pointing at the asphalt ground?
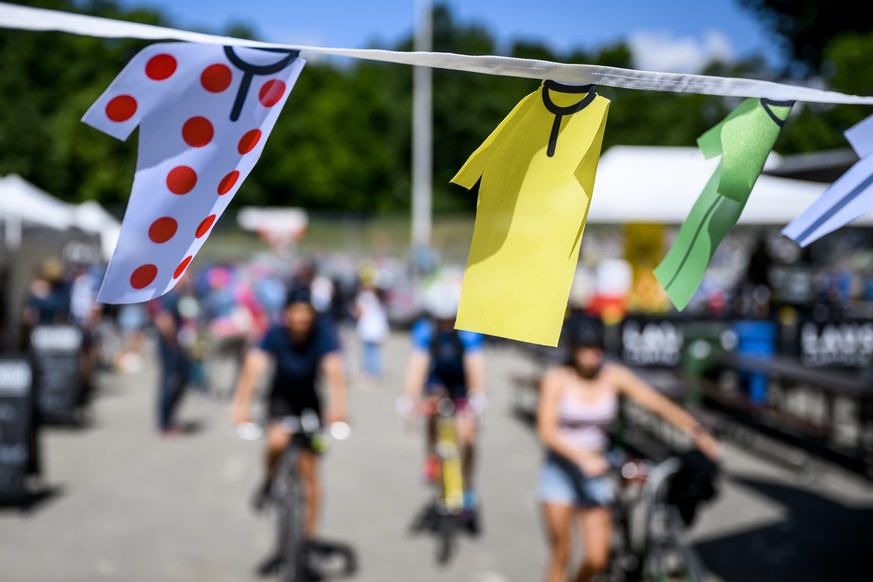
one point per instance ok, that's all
(123, 503)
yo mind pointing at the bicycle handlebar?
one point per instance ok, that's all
(252, 431)
(444, 405)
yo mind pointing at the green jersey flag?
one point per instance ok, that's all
(743, 139)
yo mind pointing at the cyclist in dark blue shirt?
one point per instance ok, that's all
(302, 349)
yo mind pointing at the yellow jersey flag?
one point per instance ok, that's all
(537, 170)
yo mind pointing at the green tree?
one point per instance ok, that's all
(806, 28)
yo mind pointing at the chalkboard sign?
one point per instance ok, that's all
(56, 350)
(16, 424)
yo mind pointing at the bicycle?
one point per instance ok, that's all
(444, 514)
(286, 497)
(663, 552)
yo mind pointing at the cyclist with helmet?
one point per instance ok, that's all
(447, 362)
(578, 402)
(301, 349)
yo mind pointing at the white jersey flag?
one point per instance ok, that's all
(204, 113)
(850, 197)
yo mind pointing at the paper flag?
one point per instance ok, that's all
(850, 197)
(744, 140)
(537, 175)
(204, 113)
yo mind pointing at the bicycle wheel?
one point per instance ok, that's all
(670, 556)
(288, 499)
(624, 565)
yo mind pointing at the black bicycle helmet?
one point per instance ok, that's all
(298, 294)
(584, 332)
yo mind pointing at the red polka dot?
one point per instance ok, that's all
(197, 132)
(181, 180)
(143, 276)
(216, 78)
(161, 67)
(182, 266)
(163, 229)
(249, 141)
(121, 108)
(271, 92)
(227, 183)
(205, 225)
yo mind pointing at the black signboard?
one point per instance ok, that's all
(837, 344)
(651, 342)
(16, 424)
(56, 351)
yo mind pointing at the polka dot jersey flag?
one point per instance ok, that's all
(204, 113)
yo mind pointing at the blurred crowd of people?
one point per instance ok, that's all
(201, 328)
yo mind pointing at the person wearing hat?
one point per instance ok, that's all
(302, 351)
(578, 401)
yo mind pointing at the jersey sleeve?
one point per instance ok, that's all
(422, 335)
(137, 90)
(860, 137)
(475, 165)
(710, 141)
(472, 341)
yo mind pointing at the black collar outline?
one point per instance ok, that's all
(768, 104)
(249, 71)
(560, 112)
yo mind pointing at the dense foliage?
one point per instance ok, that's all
(343, 140)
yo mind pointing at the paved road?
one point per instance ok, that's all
(130, 506)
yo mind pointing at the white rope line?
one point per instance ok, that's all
(37, 19)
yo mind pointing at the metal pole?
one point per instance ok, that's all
(12, 233)
(422, 141)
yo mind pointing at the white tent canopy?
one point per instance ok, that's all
(90, 216)
(22, 201)
(661, 184)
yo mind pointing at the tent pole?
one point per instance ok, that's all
(13, 243)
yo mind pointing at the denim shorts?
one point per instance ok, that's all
(556, 486)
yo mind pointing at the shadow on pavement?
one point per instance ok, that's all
(270, 566)
(445, 529)
(192, 427)
(820, 539)
(30, 500)
(330, 559)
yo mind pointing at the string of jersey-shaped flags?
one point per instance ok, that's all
(205, 112)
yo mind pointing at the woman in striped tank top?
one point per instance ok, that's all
(578, 403)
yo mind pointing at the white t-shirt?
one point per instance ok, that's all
(322, 293)
(372, 323)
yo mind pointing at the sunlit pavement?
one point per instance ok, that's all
(126, 504)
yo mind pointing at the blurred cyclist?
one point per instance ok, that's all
(301, 350)
(577, 404)
(447, 362)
